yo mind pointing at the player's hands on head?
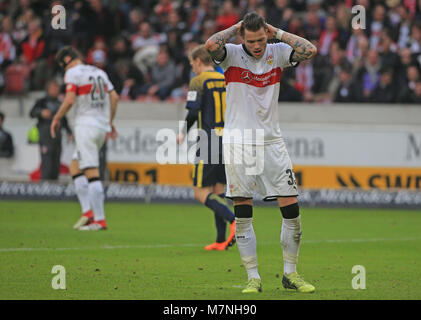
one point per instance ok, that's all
(271, 31)
(238, 26)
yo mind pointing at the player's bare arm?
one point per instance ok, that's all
(303, 49)
(69, 100)
(216, 43)
(113, 101)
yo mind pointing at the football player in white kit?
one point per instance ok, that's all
(252, 72)
(95, 100)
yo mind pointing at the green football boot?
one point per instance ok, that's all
(254, 286)
(294, 281)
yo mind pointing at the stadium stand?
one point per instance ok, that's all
(119, 36)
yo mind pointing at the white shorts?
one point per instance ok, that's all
(267, 168)
(89, 140)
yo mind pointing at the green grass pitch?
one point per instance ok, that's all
(155, 251)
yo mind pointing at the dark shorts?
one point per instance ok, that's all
(206, 175)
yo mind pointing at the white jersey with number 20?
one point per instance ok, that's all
(92, 87)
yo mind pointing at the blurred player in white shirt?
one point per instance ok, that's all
(252, 72)
(89, 89)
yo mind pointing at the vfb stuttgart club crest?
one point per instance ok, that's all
(246, 76)
(269, 60)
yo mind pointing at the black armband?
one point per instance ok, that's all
(291, 61)
(219, 61)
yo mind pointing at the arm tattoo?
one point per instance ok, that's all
(219, 40)
(304, 49)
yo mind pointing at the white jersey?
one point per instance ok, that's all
(252, 92)
(92, 88)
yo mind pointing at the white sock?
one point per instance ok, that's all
(246, 243)
(96, 197)
(81, 189)
(290, 240)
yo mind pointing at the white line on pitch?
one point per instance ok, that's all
(156, 246)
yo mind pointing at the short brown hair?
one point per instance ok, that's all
(252, 22)
(67, 51)
(201, 53)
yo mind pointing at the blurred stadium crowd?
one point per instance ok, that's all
(143, 45)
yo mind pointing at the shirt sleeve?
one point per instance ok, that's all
(285, 52)
(191, 118)
(225, 63)
(194, 94)
(70, 80)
